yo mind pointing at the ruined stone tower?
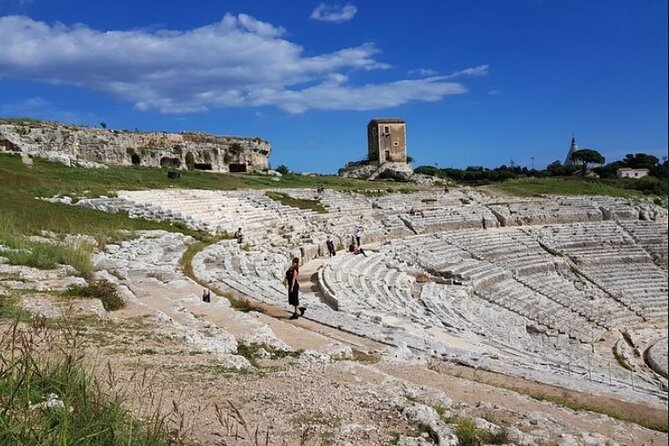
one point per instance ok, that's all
(386, 140)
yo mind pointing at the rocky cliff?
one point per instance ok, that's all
(87, 146)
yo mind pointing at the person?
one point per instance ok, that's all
(206, 296)
(294, 288)
(412, 212)
(358, 234)
(484, 223)
(239, 236)
(331, 247)
(352, 248)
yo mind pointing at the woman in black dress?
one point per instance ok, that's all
(294, 288)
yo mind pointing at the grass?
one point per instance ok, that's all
(470, 435)
(252, 352)
(621, 359)
(43, 255)
(52, 399)
(300, 203)
(11, 310)
(528, 187)
(241, 303)
(107, 292)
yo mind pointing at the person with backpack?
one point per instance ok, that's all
(294, 288)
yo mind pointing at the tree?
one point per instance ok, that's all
(103, 125)
(640, 161)
(586, 156)
(282, 169)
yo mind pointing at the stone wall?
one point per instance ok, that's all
(153, 149)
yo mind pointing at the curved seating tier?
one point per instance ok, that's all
(651, 236)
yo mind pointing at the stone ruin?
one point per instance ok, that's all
(93, 147)
(386, 153)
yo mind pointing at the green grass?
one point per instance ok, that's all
(528, 187)
(242, 304)
(43, 255)
(83, 414)
(470, 435)
(11, 310)
(300, 203)
(252, 352)
(107, 292)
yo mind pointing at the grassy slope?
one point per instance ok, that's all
(20, 184)
(528, 187)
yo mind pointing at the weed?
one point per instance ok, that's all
(54, 400)
(252, 352)
(467, 432)
(621, 359)
(107, 292)
(242, 304)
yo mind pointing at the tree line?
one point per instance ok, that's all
(584, 161)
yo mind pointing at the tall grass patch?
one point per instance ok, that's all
(51, 399)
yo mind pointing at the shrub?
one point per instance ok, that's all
(107, 292)
(282, 169)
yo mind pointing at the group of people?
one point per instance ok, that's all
(293, 272)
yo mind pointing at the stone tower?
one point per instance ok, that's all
(386, 140)
(572, 149)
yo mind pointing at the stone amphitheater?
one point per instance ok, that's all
(560, 290)
(442, 320)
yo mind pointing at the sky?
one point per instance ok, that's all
(478, 82)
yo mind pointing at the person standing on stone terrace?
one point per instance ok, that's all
(239, 236)
(294, 288)
(331, 247)
(484, 223)
(358, 234)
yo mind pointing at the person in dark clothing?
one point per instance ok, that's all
(354, 249)
(331, 247)
(484, 224)
(294, 289)
(239, 235)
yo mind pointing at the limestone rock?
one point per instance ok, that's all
(93, 148)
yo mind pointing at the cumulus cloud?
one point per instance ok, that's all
(237, 62)
(334, 13)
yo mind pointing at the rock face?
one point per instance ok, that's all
(71, 144)
(372, 170)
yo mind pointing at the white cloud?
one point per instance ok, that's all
(494, 92)
(334, 13)
(237, 62)
(481, 70)
(422, 72)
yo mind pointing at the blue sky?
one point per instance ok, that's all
(479, 82)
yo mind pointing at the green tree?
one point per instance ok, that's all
(640, 161)
(585, 157)
(282, 169)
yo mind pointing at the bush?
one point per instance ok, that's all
(282, 169)
(107, 292)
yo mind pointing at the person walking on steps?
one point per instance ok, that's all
(294, 289)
